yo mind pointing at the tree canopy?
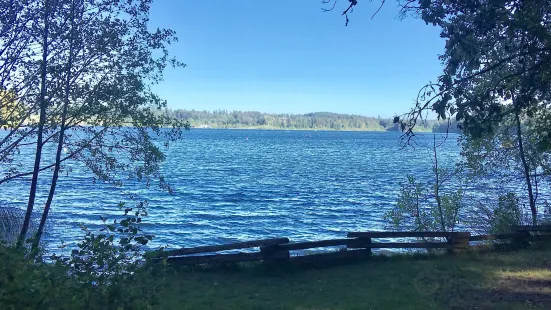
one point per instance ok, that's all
(78, 74)
(497, 62)
(496, 82)
(312, 121)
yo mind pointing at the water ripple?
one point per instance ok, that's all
(229, 188)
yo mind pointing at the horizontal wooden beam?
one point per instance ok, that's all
(531, 228)
(538, 238)
(226, 258)
(408, 234)
(351, 254)
(315, 244)
(222, 247)
(406, 245)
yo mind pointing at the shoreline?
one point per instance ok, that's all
(305, 129)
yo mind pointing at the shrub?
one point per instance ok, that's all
(506, 214)
(495, 218)
(417, 210)
(106, 271)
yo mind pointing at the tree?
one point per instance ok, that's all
(497, 69)
(511, 155)
(495, 50)
(497, 62)
(434, 206)
(93, 93)
(497, 72)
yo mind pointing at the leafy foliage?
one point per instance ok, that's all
(498, 154)
(111, 104)
(502, 144)
(417, 210)
(497, 62)
(507, 214)
(112, 254)
(82, 80)
(428, 207)
(105, 271)
(497, 76)
(496, 217)
(496, 79)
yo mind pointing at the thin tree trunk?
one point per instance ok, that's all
(526, 168)
(437, 186)
(57, 166)
(41, 122)
(536, 192)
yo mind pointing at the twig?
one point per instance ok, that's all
(345, 13)
(327, 1)
(382, 3)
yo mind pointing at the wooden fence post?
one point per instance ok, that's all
(274, 252)
(523, 234)
(460, 241)
(365, 242)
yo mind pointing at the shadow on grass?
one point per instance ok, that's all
(292, 267)
(495, 280)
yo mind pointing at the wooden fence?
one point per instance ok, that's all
(356, 245)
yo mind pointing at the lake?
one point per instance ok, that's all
(235, 185)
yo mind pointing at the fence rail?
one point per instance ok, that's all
(357, 244)
(224, 247)
(407, 234)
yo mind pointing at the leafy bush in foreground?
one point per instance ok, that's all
(106, 271)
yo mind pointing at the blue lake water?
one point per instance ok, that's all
(235, 185)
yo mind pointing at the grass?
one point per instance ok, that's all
(501, 280)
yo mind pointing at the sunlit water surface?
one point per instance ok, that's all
(233, 185)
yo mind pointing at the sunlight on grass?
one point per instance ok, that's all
(526, 274)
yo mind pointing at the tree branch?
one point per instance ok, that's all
(73, 154)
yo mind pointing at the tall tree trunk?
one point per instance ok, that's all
(57, 166)
(41, 122)
(526, 169)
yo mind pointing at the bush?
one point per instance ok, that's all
(107, 271)
(506, 214)
(417, 210)
(496, 218)
(27, 284)
(112, 253)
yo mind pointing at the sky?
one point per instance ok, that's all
(288, 56)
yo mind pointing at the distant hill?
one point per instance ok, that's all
(313, 121)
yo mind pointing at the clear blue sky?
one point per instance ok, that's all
(288, 56)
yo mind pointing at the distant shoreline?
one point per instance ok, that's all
(304, 129)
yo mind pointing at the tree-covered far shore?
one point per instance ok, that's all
(308, 121)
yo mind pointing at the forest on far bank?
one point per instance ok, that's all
(316, 120)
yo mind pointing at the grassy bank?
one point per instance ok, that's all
(506, 280)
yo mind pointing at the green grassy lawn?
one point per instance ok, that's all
(501, 280)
